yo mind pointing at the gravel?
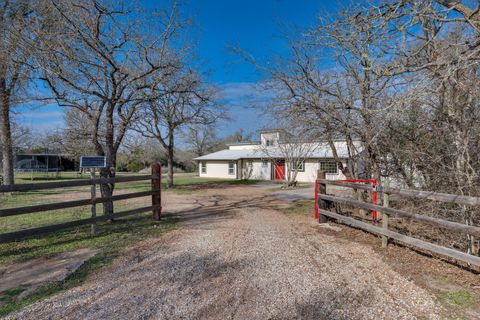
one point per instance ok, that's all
(238, 258)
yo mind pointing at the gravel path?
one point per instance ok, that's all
(242, 260)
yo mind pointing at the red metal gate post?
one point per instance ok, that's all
(315, 197)
(157, 193)
(374, 199)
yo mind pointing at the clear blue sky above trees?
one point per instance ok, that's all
(253, 25)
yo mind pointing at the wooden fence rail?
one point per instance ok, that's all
(71, 204)
(324, 202)
(155, 193)
(455, 254)
(68, 184)
(446, 224)
(418, 194)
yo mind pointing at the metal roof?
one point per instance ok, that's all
(323, 151)
(242, 143)
(42, 154)
(229, 155)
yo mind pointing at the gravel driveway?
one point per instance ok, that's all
(236, 257)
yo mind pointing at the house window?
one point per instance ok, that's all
(204, 167)
(329, 166)
(300, 166)
(250, 163)
(231, 168)
(265, 163)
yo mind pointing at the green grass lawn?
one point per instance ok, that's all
(39, 245)
(110, 241)
(36, 177)
(184, 184)
(33, 177)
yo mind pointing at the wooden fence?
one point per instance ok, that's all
(324, 203)
(155, 193)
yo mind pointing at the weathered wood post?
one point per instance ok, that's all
(386, 203)
(93, 209)
(156, 189)
(322, 189)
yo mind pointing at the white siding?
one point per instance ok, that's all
(217, 169)
(243, 147)
(310, 173)
(258, 171)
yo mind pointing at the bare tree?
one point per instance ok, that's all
(22, 137)
(201, 139)
(401, 78)
(325, 104)
(238, 136)
(100, 61)
(77, 136)
(138, 152)
(174, 102)
(443, 57)
(21, 24)
(395, 64)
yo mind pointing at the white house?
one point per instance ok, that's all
(262, 160)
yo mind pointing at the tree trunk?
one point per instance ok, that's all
(107, 189)
(170, 166)
(6, 140)
(344, 169)
(111, 159)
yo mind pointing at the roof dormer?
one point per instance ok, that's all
(270, 138)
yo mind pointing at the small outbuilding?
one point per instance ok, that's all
(43, 162)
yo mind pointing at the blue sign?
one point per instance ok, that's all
(93, 162)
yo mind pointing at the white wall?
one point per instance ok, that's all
(219, 169)
(243, 147)
(310, 173)
(216, 169)
(258, 171)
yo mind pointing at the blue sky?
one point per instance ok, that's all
(254, 26)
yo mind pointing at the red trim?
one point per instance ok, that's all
(280, 170)
(316, 215)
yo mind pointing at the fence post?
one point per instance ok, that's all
(315, 197)
(156, 186)
(322, 189)
(93, 209)
(386, 203)
(374, 200)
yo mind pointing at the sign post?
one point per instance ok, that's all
(93, 210)
(156, 187)
(93, 163)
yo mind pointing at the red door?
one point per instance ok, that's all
(280, 170)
